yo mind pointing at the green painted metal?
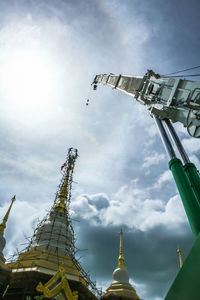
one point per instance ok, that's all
(188, 196)
(194, 178)
(186, 284)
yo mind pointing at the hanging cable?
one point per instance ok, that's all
(88, 97)
(182, 71)
(186, 75)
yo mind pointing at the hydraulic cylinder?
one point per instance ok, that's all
(177, 141)
(164, 137)
(188, 196)
(194, 178)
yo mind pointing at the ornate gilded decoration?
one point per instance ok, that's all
(58, 287)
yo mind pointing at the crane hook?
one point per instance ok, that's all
(95, 87)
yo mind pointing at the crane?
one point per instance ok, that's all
(166, 97)
(177, 100)
(169, 99)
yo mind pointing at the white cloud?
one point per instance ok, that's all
(191, 144)
(132, 206)
(151, 131)
(153, 159)
(140, 288)
(31, 166)
(172, 216)
(23, 217)
(81, 206)
(164, 178)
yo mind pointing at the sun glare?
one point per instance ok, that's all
(26, 79)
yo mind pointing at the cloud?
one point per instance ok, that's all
(191, 145)
(168, 217)
(82, 205)
(24, 216)
(99, 200)
(153, 159)
(163, 179)
(132, 207)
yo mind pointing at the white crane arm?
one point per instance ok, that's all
(166, 97)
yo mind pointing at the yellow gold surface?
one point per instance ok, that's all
(61, 204)
(60, 284)
(117, 287)
(48, 261)
(180, 257)
(5, 219)
(4, 293)
(121, 256)
(121, 289)
(2, 263)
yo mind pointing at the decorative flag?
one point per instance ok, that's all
(63, 165)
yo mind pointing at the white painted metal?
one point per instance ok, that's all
(165, 97)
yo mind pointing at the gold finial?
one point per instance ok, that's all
(180, 258)
(3, 223)
(121, 257)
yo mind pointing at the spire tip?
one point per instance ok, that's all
(5, 219)
(121, 256)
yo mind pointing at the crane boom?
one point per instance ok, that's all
(166, 97)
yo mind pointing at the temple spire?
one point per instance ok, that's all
(121, 256)
(180, 257)
(62, 195)
(3, 223)
(120, 287)
(64, 192)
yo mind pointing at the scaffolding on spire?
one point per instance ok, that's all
(62, 201)
(63, 195)
(54, 236)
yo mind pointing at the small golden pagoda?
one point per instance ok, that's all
(120, 288)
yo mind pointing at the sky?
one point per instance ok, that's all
(50, 52)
